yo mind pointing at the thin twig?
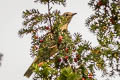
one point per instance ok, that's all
(49, 13)
(49, 17)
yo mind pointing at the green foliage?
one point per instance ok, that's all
(74, 58)
(45, 72)
(105, 23)
(68, 74)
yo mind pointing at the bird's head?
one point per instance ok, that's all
(68, 16)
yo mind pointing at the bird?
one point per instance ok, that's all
(68, 16)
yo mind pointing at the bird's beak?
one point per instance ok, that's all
(74, 14)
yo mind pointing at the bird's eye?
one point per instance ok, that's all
(66, 14)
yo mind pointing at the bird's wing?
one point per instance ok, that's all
(53, 50)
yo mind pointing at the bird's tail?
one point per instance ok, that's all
(29, 71)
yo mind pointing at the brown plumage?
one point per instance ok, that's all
(68, 16)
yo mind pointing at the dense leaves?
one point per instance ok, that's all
(105, 23)
(74, 58)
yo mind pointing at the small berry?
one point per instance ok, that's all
(59, 60)
(60, 38)
(41, 41)
(90, 75)
(66, 57)
(75, 59)
(47, 28)
(40, 64)
(83, 78)
(100, 3)
(66, 50)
